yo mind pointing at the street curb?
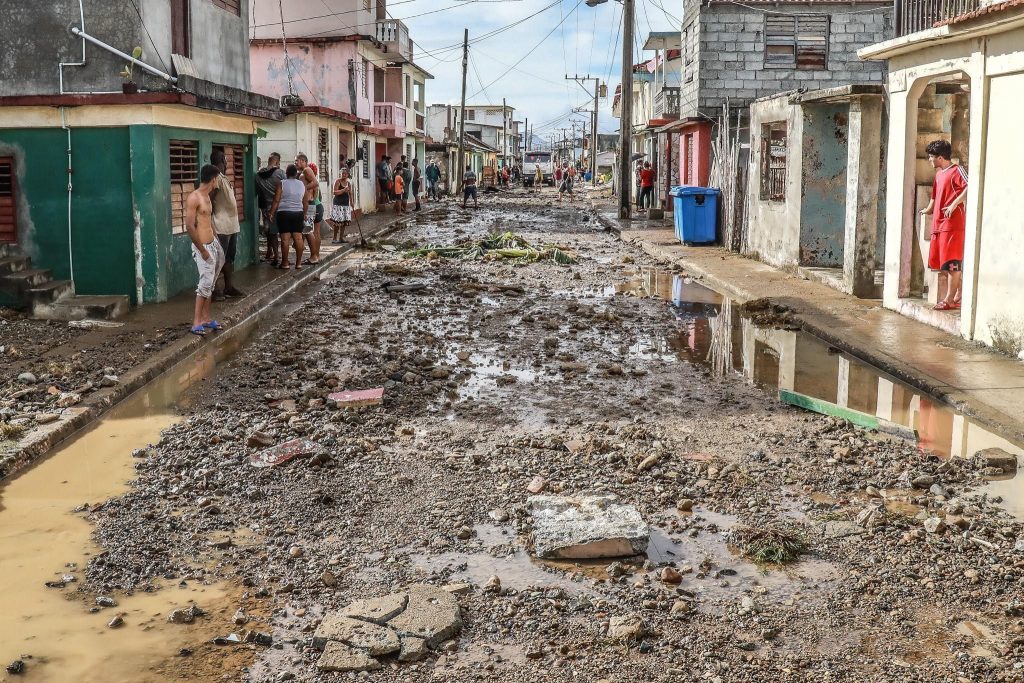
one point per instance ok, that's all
(1007, 425)
(97, 404)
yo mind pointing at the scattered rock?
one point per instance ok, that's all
(27, 378)
(537, 485)
(840, 529)
(997, 457)
(628, 627)
(934, 525)
(117, 621)
(431, 613)
(413, 649)
(329, 579)
(923, 481)
(586, 527)
(185, 615)
(105, 601)
(684, 505)
(647, 463)
(670, 575)
(16, 667)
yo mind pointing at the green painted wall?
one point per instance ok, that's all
(101, 204)
(121, 198)
(167, 265)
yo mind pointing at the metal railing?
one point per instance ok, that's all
(395, 36)
(912, 16)
(666, 102)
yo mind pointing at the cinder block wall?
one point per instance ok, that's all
(730, 52)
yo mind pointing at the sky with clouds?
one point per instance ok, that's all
(565, 36)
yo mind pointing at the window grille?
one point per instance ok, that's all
(796, 41)
(773, 161)
(184, 162)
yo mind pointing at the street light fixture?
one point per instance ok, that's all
(625, 105)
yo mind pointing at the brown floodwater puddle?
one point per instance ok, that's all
(41, 540)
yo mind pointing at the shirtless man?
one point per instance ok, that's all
(310, 231)
(206, 249)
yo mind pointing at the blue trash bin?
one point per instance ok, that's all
(695, 210)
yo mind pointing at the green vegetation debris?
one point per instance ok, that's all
(768, 545)
(502, 245)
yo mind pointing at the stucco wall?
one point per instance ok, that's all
(774, 232)
(37, 38)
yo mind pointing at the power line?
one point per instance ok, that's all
(531, 51)
(151, 41)
(490, 34)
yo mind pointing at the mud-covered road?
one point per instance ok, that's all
(496, 373)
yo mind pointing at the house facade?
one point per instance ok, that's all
(353, 71)
(960, 78)
(64, 106)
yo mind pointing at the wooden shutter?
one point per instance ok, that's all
(233, 6)
(180, 30)
(8, 202)
(812, 42)
(184, 159)
(779, 40)
(234, 159)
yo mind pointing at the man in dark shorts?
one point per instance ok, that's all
(417, 181)
(268, 179)
(225, 222)
(469, 187)
(949, 222)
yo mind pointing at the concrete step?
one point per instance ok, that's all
(14, 264)
(49, 292)
(80, 307)
(23, 280)
(8, 249)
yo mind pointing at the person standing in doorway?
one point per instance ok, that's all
(469, 187)
(268, 179)
(225, 222)
(289, 212)
(384, 184)
(949, 222)
(206, 249)
(433, 174)
(341, 207)
(417, 181)
(646, 187)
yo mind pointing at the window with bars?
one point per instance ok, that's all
(8, 202)
(323, 154)
(365, 77)
(184, 159)
(470, 115)
(234, 159)
(773, 161)
(366, 158)
(233, 6)
(796, 41)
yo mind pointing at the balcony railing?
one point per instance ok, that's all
(917, 15)
(395, 36)
(666, 103)
(390, 116)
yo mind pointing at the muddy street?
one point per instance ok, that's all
(781, 545)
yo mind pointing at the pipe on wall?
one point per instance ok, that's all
(60, 67)
(113, 50)
(71, 251)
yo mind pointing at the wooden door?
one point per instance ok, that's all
(8, 202)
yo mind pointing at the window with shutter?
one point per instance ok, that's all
(181, 43)
(773, 161)
(323, 154)
(796, 41)
(184, 160)
(234, 159)
(366, 158)
(8, 202)
(233, 6)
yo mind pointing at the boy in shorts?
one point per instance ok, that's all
(206, 249)
(949, 219)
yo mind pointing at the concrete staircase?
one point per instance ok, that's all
(34, 289)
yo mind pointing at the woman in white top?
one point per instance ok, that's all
(289, 210)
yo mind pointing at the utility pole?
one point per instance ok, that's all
(462, 112)
(593, 119)
(504, 134)
(625, 110)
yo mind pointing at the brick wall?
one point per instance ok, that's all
(731, 62)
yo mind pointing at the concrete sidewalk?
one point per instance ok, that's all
(974, 379)
(263, 285)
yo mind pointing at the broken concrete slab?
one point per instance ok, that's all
(413, 649)
(586, 527)
(357, 399)
(432, 614)
(373, 638)
(377, 610)
(340, 657)
(282, 453)
(997, 457)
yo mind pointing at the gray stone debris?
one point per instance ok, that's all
(997, 457)
(586, 527)
(409, 623)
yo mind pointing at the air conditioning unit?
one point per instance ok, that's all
(291, 102)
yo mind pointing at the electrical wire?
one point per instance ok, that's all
(492, 33)
(534, 48)
(151, 41)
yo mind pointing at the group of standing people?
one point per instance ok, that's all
(292, 209)
(397, 184)
(565, 178)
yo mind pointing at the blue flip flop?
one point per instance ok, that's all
(213, 325)
(199, 331)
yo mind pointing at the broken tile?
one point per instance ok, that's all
(378, 610)
(432, 614)
(340, 657)
(364, 635)
(282, 452)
